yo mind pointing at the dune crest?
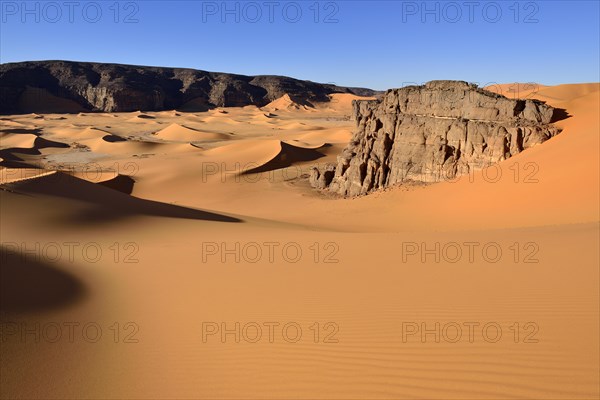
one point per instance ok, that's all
(286, 103)
(176, 132)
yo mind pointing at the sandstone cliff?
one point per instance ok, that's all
(432, 133)
(65, 86)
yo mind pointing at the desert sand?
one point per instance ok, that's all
(221, 228)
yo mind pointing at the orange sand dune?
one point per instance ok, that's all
(142, 117)
(288, 155)
(176, 132)
(222, 120)
(21, 140)
(550, 94)
(76, 133)
(371, 292)
(8, 124)
(98, 202)
(569, 92)
(285, 103)
(330, 136)
(517, 90)
(537, 186)
(11, 175)
(129, 147)
(342, 102)
(306, 145)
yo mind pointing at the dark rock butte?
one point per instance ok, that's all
(431, 133)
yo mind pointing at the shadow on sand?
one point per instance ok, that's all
(559, 114)
(28, 284)
(107, 204)
(287, 157)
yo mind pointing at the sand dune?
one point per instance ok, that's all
(342, 102)
(216, 118)
(288, 155)
(76, 133)
(121, 183)
(551, 94)
(9, 124)
(296, 126)
(517, 90)
(286, 103)
(38, 147)
(306, 145)
(22, 140)
(176, 132)
(261, 155)
(99, 202)
(244, 155)
(134, 147)
(331, 136)
(142, 117)
(12, 175)
(167, 201)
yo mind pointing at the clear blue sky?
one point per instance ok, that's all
(376, 44)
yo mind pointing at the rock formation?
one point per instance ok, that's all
(64, 86)
(431, 133)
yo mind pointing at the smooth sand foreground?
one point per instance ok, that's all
(184, 255)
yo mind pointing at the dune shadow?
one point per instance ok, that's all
(11, 154)
(108, 204)
(113, 139)
(146, 116)
(28, 284)
(559, 114)
(287, 157)
(121, 183)
(16, 162)
(31, 131)
(39, 143)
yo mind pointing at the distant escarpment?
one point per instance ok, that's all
(431, 133)
(65, 86)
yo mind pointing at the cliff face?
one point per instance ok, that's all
(432, 133)
(64, 86)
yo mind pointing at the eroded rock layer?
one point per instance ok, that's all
(431, 133)
(67, 86)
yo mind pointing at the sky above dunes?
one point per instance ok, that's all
(376, 44)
